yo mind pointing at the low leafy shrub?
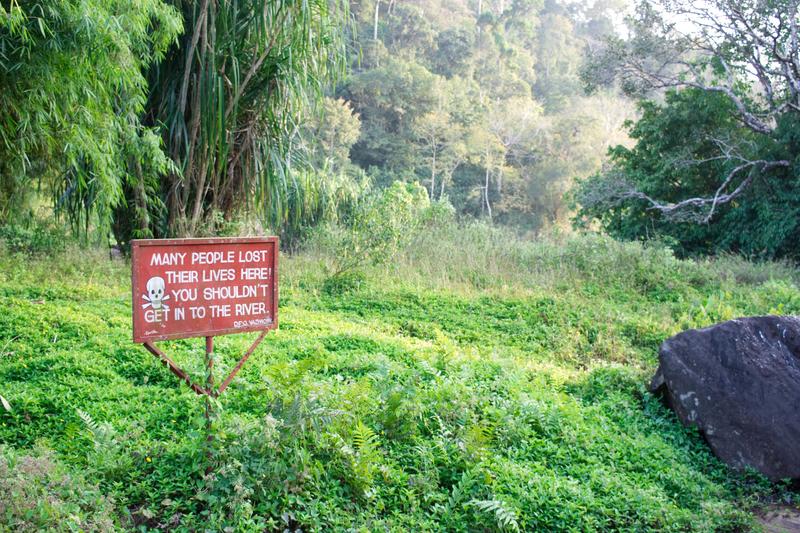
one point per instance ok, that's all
(343, 283)
(380, 227)
(34, 237)
(38, 494)
(439, 213)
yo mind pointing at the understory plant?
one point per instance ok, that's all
(38, 493)
(379, 228)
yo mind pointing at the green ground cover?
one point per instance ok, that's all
(476, 385)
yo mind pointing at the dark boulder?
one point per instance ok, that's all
(739, 383)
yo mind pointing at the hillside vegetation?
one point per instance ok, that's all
(478, 383)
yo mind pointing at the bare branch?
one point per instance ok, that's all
(722, 46)
(693, 208)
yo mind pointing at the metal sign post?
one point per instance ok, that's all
(201, 288)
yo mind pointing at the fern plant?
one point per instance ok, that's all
(450, 511)
(477, 438)
(504, 515)
(303, 415)
(109, 456)
(366, 456)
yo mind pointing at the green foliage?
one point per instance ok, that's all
(363, 457)
(231, 96)
(262, 462)
(345, 282)
(453, 52)
(378, 229)
(72, 91)
(482, 107)
(408, 31)
(506, 517)
(671, 139)
(131, 124)
(313, 198)
(37, 493)
(388, 99)
(163, 118)
(715, 164)
(331, 133)
(109, 456)
(477, 381)
(440, 213)
(34, 236)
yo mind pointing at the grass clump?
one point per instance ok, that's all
(497, 387)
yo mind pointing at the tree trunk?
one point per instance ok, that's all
(433, 172)
(199, 199)
(375, 25)
(480, 10)
(486, 193)
(500, 182)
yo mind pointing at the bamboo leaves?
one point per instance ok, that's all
(86, 87)
(71, 95)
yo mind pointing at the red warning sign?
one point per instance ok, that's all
(203, 287)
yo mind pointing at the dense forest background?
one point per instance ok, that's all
(647, 120)
(479, 101)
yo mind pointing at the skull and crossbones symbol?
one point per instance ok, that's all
(155, 296)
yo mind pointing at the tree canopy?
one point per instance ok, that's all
(720, 150)
(160, 117)
(72, 94)
(482, 102)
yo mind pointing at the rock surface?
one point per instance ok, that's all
(738, 382)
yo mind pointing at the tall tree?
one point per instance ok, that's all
(487, 152)
(677, 156)
(389, 99)
(746, 52)
(228, 96)
(329, 133)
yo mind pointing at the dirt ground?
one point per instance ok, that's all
(780, 519)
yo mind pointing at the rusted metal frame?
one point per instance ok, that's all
(209, 363)
(209, 408)
(208, 391)
(175, 369)
(239, 365)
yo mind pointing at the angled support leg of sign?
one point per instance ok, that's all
(241, 362)
(175, 369)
